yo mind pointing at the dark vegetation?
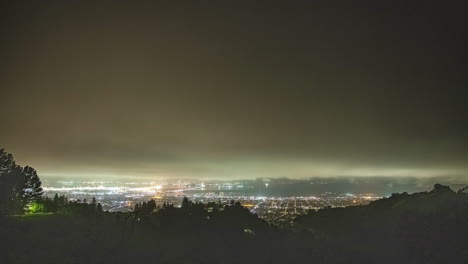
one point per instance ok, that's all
(427, 227)
(20, 187)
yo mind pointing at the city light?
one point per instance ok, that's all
(272, 208)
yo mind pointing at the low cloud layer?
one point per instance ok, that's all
(228, 91)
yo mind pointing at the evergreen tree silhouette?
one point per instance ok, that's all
(12, 184)
(7, 180)
(32, 189)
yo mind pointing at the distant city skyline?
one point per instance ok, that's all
(274, 200)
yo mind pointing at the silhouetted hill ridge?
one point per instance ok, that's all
(424, 227)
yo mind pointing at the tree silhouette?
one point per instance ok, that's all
(11, 184)
(7, 183)
(185, 203)
(18, 186)
(7, 163)
(32, 188)
(441, 188)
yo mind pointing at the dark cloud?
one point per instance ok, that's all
(236, 89)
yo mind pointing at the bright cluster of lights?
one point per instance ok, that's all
(120, 190)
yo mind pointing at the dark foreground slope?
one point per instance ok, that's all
(426, 227)
(429, 227)
(172, 235)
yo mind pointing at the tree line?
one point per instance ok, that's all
(21, 192)
(20, 187)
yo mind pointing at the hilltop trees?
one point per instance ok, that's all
(11, 181)
(18, 186)
(32, 188)
(7, 163)
(7, 184)
(442, 188)
(145, 208)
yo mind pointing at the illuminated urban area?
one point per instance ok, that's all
(275, 208)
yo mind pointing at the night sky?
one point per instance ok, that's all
(235, 89)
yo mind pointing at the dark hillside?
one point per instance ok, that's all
(426, 227)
